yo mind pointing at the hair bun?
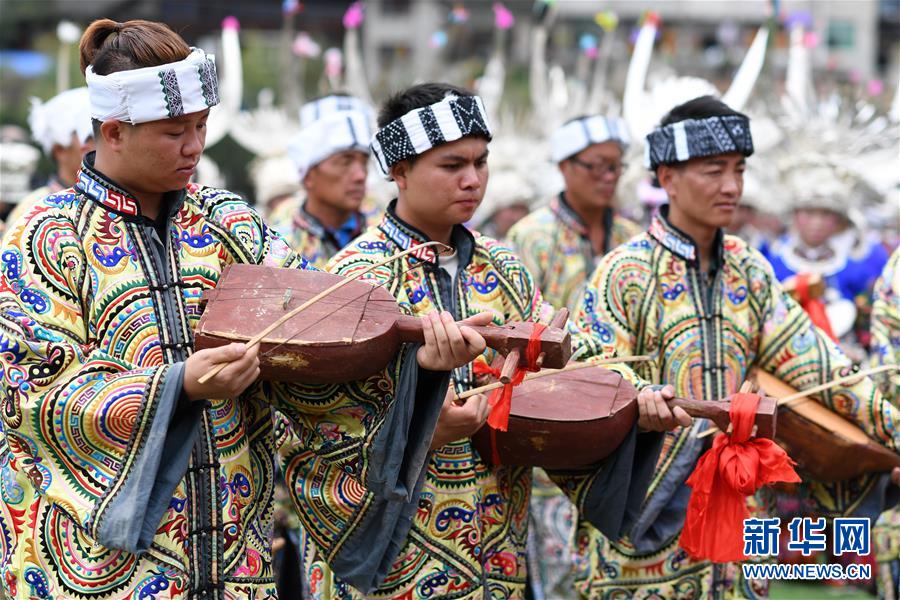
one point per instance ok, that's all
(93, 39)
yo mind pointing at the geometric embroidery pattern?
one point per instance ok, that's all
(172, 92)
(209, 82)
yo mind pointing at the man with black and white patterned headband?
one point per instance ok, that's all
(708, 308)
(467, 539)
(137, 479)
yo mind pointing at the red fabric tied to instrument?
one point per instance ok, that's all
(734, 468)
(814, 307)
(500, 399)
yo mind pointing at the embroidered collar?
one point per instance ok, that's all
(565, 213)
(406, 236)
(99, 188)
(339, 237)
(681, 243)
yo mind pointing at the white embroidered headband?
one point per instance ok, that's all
(316, 109)
(578, 134)
(422, 129)
(154, 93)
(333, 133)
(695, 138)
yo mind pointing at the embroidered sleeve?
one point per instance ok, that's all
(798, 353)
(82, 424)
(604, 324)
(886, 326)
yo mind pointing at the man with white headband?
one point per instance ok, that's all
(331, 154)
(467, 539)
(124, 475)
(62, 127)
(707, 308)
(561, 243)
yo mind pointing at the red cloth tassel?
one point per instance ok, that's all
(500, 399)
(734, 468)
(814, 307)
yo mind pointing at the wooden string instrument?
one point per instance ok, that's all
(825, 445)
(578, 416)
(349, 333)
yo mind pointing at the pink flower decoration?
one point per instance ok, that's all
(353, 18)
(305, 46)
(876, 86)
(503, 19)
(230, 23)
(334, 62)
(811, 39)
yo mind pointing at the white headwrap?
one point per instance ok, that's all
(322, 107)
(335, 132)
(54, 121)
(154, 93)
(578, 134)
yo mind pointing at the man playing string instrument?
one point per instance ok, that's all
(467, 539)
(709, 308)
(123, 475)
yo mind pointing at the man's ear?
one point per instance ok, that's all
(666, 175)
(113, 133)
(400, 173)
(309, 180)
(54, 153)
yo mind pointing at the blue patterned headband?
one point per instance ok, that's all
(422, 129)
(695, 138)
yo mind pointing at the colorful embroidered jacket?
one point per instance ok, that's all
(114, 485)
(307, 236)
(886, 325)
(706, 331)
(554, 245)
(468, 536)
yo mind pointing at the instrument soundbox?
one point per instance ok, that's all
(825, 445)
(574, 419)
(350, 334)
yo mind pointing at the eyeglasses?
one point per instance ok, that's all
(599, 169)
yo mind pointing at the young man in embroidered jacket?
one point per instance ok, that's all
(468, 537)
(122, 475)
(331, 154)
(709, 308)
(561, 244)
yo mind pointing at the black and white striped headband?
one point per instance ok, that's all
(420, 130)
(695, 138)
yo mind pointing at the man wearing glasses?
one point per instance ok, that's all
(560, 243)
